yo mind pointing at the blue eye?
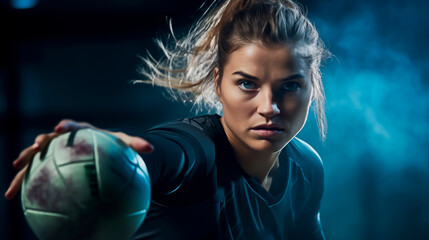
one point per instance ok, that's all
(291, 86)
(247, 85)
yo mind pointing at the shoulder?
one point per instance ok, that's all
(307, 158)
(305, 151)
(191, 133)
(195, 125)
(309, 171)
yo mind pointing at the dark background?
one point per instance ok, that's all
(75, 59)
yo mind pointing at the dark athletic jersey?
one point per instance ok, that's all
(200, 192)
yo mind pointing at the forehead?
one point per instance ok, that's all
(265, 60)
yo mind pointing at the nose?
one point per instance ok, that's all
(268, 107)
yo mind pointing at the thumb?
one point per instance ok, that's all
(140, 145)
(136, 143)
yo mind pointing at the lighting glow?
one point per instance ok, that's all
(24, 4)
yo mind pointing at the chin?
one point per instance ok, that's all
(267, 146)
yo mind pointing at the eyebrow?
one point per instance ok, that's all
(248, 76)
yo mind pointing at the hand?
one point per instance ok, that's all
(42, 141)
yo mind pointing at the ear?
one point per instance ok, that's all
(217, 79)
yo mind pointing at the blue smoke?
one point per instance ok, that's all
(376, 155)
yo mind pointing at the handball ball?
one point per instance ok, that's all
(89, 185)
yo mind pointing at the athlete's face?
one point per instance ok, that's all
(266, 93)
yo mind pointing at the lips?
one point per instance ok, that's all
(268, 127)
(267, 130)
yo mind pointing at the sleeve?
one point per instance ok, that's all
(181, 165)
(307, 222)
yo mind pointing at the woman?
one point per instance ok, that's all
(242, 175)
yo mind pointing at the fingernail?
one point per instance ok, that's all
(35, 146)
(59, 129)
(6, 194)
(150, 147)
(17, 163)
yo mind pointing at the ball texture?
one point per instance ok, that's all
(89, 185)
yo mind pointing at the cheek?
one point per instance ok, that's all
(296, 107)
(235, 103)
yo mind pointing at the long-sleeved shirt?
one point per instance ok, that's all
(199, 191)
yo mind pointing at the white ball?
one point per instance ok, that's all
(89, 185)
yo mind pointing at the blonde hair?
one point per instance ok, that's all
(186, 68)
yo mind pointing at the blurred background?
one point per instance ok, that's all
(75, 59)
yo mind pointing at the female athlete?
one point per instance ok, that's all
(242, 174)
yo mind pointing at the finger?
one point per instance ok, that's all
(67, 125)
(137, 144)
(140, 145)
(16, 184)
(61, 126)
(26, 155)
(45, 141)
(40, 144)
